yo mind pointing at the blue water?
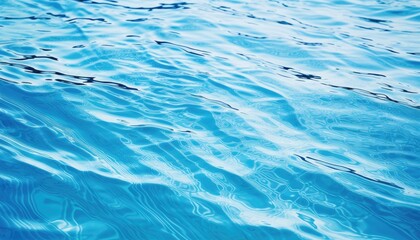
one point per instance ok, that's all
(218, 119)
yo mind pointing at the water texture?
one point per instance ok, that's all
(209, 119)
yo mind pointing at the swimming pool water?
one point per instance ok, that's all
(218, 119)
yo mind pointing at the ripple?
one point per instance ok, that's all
(209, 119)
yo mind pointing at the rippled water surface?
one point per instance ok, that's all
(218, 119)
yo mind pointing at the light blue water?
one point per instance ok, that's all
(209, 119)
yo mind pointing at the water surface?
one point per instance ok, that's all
(209, 119)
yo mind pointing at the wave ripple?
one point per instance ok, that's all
(209, 119)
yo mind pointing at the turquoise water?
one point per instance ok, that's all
(209, 119)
